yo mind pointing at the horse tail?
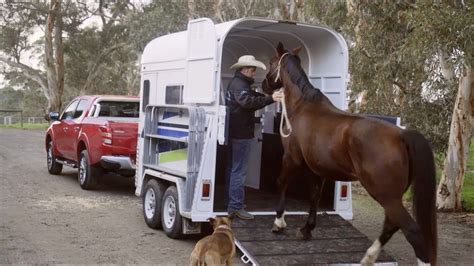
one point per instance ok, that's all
(423, 179)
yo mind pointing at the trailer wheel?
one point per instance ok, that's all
(87, 174)
(171, 219)
(54, 167)
(152, 201)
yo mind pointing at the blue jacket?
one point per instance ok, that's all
(243, 102)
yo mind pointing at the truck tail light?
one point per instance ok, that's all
(206, 190)
(106, 134)
(344, 188)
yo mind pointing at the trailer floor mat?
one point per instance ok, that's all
(334, 241)
(262, 201)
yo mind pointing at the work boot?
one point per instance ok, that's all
(242, 214)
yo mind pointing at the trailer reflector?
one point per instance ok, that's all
(206, 190)
(344, 188)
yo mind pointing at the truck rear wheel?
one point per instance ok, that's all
(171, 219)
(54, 167)
(152, 201)
(87, 174)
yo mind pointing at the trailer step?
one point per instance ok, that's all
(334, 241)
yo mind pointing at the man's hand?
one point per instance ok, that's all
(277, 96)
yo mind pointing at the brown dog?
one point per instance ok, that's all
(218, 248)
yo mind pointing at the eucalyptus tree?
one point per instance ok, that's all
(445, 31)
(92, 57)
(18, 22)
(162, 17)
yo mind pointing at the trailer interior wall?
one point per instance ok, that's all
(323, 56)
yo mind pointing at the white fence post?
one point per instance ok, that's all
(7, 120)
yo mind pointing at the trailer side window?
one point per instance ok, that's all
(146, 94)
(174, 94)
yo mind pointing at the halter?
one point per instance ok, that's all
(279, 66)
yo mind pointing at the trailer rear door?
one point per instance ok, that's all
(201, 62)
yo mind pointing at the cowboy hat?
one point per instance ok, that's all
(246, 61)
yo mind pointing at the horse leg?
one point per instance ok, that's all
(280, 224)
(373, 252)
(305, 232)
(288, 168)
(400, 217)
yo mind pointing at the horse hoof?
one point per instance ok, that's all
(303, 235)
(276, 229)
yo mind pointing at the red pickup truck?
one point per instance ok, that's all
(95, 134)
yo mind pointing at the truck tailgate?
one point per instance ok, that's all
(124, 136)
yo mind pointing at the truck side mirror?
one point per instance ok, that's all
(54, 116)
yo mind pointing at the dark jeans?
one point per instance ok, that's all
(237, 172)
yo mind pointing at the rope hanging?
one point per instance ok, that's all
(284, 112)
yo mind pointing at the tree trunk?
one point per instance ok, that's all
(218, 10)
(452, 179)
(59, 55)
(54, 88)
(191, 9)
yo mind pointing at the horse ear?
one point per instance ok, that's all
(280, 49)
(297, 50)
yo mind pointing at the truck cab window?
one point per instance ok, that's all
(80, 108)
(119, 109)
(68, 113)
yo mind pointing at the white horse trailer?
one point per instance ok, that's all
(181, 154)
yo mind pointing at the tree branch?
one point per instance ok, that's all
(92, 73)
(29, 72)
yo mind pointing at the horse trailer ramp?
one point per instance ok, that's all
(335, 241)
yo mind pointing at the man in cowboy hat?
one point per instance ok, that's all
(242, 102)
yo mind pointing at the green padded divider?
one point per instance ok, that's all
(173, 156)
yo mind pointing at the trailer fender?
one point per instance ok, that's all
(179, 182)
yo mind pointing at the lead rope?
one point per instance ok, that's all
(284, 118)
(284, 112)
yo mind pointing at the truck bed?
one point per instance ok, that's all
(334, 241)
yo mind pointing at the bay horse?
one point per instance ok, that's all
(337, 145)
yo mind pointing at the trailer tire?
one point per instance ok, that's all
(54, 167)
(152, 203)
(171, 219)
(87, 174)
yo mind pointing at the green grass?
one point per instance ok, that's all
(468, 186)
(43, 126)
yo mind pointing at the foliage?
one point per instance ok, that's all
(159, 18)
(91, 53)
(394, 63)
(30, 100)
(9, 98)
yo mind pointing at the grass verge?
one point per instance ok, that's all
(43, 126)
(468, 186)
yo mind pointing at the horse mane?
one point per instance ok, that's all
(300, 79)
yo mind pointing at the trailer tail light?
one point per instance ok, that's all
(106, 135)
(344, 188)
(206, 190)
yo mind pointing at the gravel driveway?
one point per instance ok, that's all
(50, 219)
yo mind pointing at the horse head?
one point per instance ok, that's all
(272, 80)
